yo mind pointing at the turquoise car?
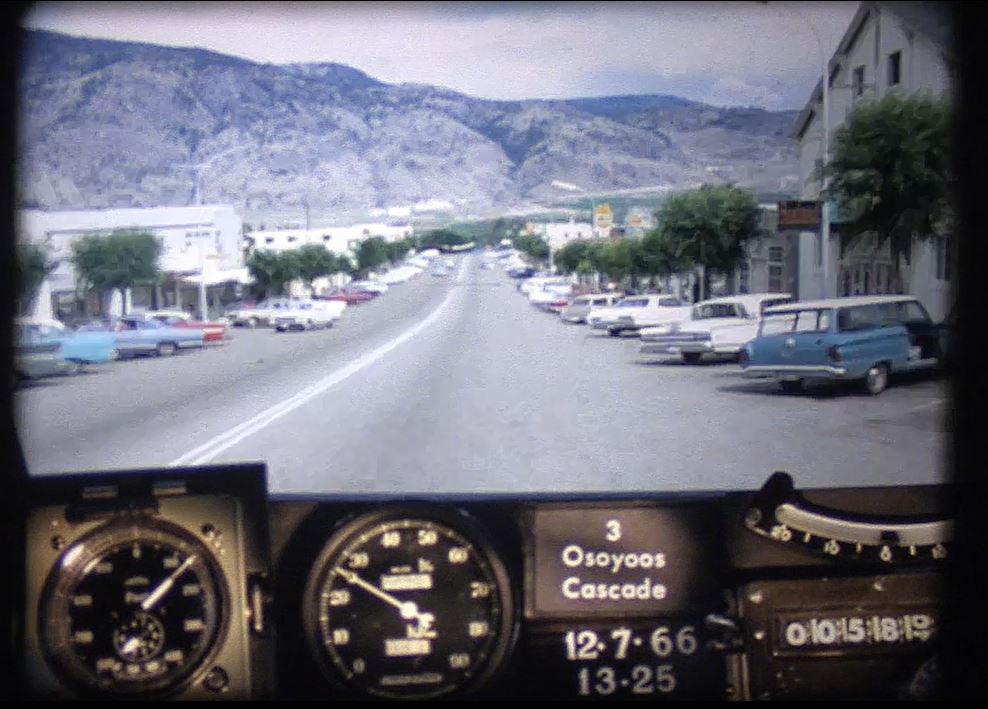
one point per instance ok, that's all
(76, 349)
(863, 339)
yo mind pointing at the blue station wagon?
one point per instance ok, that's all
(863, 338)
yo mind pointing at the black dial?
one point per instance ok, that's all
(132, 609)
(408, 607)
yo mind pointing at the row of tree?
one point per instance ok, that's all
(889, 179)
(274, 271)
(707, 227)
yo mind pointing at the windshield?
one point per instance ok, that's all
(203, 158)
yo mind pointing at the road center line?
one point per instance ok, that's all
(216, 445)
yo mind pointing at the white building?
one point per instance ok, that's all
(558, 234)
(193, 238)
(888, 48)
(342, 241)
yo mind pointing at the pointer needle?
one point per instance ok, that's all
(166, 585)
(408, 609)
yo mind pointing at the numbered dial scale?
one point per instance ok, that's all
(132, 609)
(781, 514)
(406, 604)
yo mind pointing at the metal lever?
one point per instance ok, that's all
(727, 633)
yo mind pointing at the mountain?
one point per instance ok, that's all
(122, 124)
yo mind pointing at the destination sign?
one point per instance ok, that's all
(611, 560)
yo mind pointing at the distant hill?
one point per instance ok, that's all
(113, 123)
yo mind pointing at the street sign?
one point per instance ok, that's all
(799, 215)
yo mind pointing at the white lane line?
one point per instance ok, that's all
(216, 445)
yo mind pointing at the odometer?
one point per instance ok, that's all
(408, 606)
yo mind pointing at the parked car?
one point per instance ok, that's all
(137, 336)
(349, 296)
(77, 349)
(580, 307)
(211, 331)
(542, 298)
(309, 315)
(542, 282)
(261, 314)
(36, 356)
(402, 274)
(632, 313)
(862, 338)
(694, 337)
(370, 286)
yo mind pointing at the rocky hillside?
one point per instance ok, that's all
(121, 124)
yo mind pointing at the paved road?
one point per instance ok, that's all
(458, 385)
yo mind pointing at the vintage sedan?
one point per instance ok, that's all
(310, 315)
(694, 337)
(349, 296)
(862, 338)
(77, 349)
(136, 335)
(260, 314)
(580, 308)
(36, 356)
(211, 331)
(635, 312)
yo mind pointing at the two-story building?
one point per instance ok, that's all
(898, 47)
(197, 242)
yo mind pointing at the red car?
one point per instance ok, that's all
(211, 331)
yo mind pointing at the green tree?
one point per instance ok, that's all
(570, 256)
(658, 256)
(314, 261)
(618, 260)
(273, 271)
(116, 261)
(890, 172)
(533, 246)
(372, 253)
(710, 227)
(397, 250)
(33, 265)
(443, 239)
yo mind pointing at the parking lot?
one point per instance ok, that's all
(460, 385)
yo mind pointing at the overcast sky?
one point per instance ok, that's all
(724, 53)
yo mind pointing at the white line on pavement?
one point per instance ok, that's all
(216, 445)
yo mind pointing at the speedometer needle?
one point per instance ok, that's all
(408, 609)
(166, 585)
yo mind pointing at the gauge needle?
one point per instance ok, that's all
(131, 645)
(408, 609)
(166, 585)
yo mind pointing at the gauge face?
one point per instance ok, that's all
(408, 607)
(132, 609)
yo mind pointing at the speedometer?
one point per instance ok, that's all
(403, 604)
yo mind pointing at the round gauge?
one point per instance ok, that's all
(403, 605)
(132, 609)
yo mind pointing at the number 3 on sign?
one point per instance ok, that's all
(613, 530)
